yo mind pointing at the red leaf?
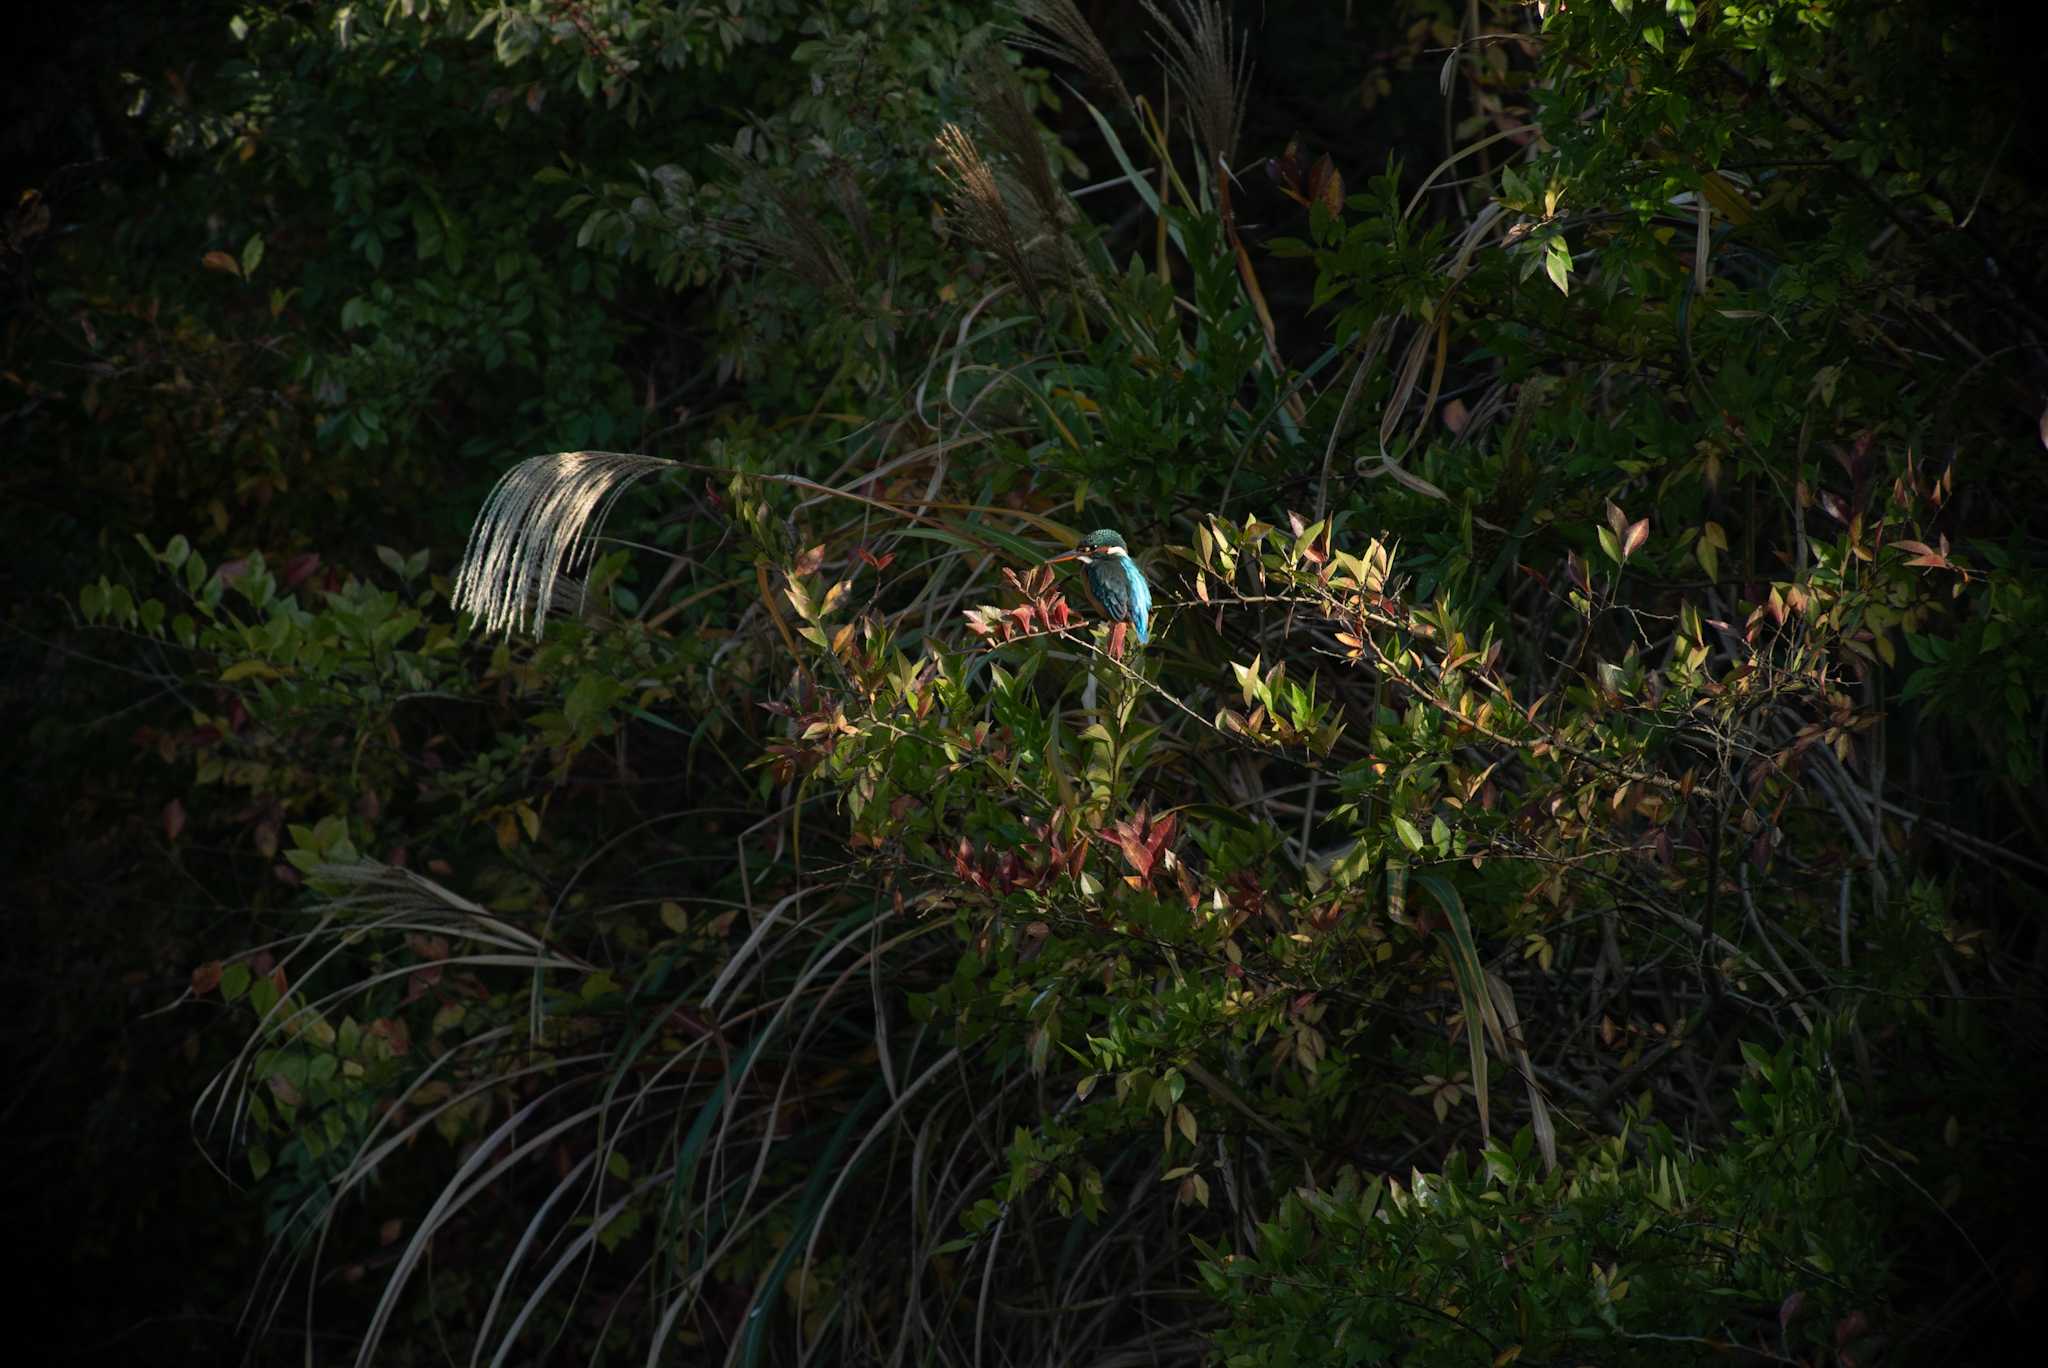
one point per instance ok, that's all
(428, 947)
(421, 982)
(174, 819)
(222, 262)
(393, 1032)
(1161, 833)
(1633, 539)
(300, 568)
(206, 978)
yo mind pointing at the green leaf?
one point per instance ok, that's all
(1482, 1017)
(1410, 834)
(589, 700)
(1557, 264)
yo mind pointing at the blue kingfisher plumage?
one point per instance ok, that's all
(1114, 580)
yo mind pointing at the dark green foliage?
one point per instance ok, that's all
(1546, 892)
(1643, 1251)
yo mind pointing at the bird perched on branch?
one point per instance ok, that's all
(1116, 584)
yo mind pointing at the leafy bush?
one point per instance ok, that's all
(1640, 1252)
(1513, 903)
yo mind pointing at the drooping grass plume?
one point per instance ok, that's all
(1209, 67)
(542, 517)
(983, 211)
(1061, 33)
(1017, 139)
(793, 236)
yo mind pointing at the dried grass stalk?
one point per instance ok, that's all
(982, 209)
(1210, 68)
(543, 516)
(1017, 139)
(805, 246)
(1056, 28)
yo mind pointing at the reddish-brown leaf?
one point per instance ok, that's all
(1161, 833)
(1326, 186)
(300, 568)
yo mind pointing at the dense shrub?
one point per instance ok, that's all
(1569, 810)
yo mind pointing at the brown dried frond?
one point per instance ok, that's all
(781, 229)
(982, 209)
(1061, 33)
(1014, 133)
(1211, 69)
(847, 193)
(802, 244)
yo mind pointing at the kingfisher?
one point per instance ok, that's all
(1116, 584)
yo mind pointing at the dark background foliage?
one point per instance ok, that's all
(288, 289)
